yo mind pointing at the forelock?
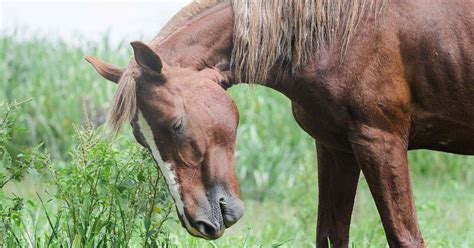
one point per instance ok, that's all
(124, 103)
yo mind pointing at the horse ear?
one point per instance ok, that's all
(109, 72)
(146, 57)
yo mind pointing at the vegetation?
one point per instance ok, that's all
(66, 183)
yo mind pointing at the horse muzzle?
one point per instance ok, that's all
(212, 217)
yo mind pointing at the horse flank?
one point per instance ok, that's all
(266, 33)
(286, 33)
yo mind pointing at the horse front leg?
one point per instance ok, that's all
(338, 175)
(382, 156)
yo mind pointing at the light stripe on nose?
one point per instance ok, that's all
(165, 168)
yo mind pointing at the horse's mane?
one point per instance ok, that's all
(287, 32)
(124, 103)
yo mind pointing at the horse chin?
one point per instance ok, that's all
(197, 233)
(216, 236)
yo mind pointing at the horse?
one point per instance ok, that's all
(369, 80)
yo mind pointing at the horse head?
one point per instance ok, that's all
(188, 122)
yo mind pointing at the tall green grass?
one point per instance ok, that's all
(276, 160)
(57, 79)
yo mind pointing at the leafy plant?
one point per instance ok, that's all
(103, 197)
(13, 169)
(109, 198)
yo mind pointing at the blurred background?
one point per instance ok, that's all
(65, 182)
(90, 20)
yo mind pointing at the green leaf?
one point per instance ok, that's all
(7, 160)
(77, 241)
(141, 177)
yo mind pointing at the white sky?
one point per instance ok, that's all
(87, 19)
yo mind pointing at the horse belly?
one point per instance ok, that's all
(440, 134)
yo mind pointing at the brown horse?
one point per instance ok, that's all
(368, 79)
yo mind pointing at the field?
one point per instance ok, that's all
(65, 182)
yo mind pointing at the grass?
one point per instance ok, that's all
(275, 163)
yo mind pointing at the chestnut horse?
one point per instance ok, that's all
(368, 80)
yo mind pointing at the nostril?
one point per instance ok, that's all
(206, 228)
(232, 210)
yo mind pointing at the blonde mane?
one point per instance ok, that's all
(124, 103)
(286, 33)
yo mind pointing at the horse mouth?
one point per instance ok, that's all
(209, 230)
(212, 226)
(203, 228)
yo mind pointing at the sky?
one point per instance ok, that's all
(122, 20)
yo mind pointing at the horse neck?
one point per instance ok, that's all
(208, 40)
(200, 43)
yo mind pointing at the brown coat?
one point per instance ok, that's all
(403, 81)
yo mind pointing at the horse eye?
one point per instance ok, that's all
(224, 84)
(178, 125)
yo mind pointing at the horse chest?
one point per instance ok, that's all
(321, 124)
